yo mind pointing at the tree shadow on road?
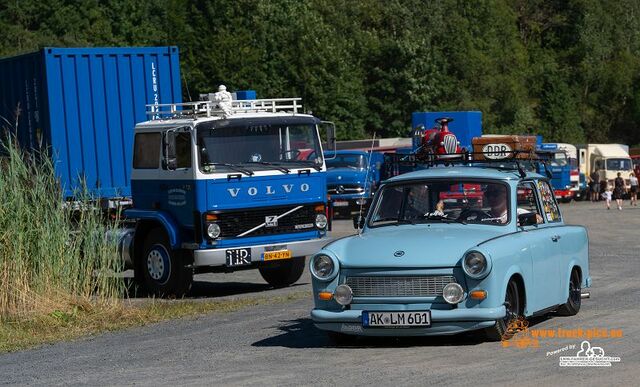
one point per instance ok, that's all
(301, 333)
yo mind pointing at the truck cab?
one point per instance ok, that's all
(608, 160)
(222, 190)
(352, 179)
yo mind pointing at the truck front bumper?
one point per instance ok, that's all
(218, 257)
(443, 322)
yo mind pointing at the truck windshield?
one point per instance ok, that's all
(259, 147)
(442, 201)
(347, 161)
(618, 164)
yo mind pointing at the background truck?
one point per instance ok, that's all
(352, 179)
(608, 159)
(226, 188)
(564, 169)
(81, 105)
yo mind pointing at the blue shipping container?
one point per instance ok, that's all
(82, 104)
(466, 124)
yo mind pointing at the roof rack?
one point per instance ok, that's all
(212, 108)
(515, 163)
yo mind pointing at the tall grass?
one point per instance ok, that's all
(53, 257)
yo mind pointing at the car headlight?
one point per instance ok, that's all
(321, 221)
(475, 265)
(323, 267)
(453, 293)
(213, 230)
(343, 295)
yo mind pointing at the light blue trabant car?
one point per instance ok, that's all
(452, 249)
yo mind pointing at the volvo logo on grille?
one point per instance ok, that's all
(271, 221)
(340, 189)
(398, 253)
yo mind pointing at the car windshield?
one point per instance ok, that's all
(353, 161)
(442, 201)
(618, 164)
(259, 147)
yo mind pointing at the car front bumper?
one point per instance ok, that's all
(443, 322)
(218, 257)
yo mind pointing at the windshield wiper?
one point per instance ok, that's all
(235, 167)
(312, 164)
(265, 163)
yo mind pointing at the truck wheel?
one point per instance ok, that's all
(572, 306)
(284, 274)
(164, 271)
(512, 301)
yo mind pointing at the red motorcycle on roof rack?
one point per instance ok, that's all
(437, 143)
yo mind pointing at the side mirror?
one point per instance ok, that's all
(330, 128)
(528, 219)
(169, 161)
(358, 222)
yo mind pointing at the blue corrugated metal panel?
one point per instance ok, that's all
(84, 103)
(466, 124)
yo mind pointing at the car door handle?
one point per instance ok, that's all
(555, 238)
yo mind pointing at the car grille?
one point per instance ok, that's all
(234, 223)
(410, 286)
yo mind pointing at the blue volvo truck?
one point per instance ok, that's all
(219, 189)
(352, 179)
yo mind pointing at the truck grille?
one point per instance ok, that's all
(410, 286)
(234, 223)
(346, 188)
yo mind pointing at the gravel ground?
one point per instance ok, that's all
(278, 345)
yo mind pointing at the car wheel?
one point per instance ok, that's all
(512, 302)
(284, 274)
(164, 272)
(572, 306)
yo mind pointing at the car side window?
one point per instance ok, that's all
(146, 151)
(550, 206)
(526, 202)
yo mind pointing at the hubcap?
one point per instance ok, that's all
(158, 264)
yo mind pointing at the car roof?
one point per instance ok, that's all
(465, 172)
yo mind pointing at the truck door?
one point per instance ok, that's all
(176, 179)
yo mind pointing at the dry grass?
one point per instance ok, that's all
(90, 319)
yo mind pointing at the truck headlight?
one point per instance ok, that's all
(323, 267)
(321, 221)
(475, 265)
(213, 230)
(453, 293)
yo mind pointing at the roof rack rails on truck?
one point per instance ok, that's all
(223, 187)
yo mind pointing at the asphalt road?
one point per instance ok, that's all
(278, 345)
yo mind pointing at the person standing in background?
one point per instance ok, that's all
(607, 197)
(618, 190)
(595, 185)
(633, 191)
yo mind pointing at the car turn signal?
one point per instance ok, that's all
(325, 296)
(478, 294)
